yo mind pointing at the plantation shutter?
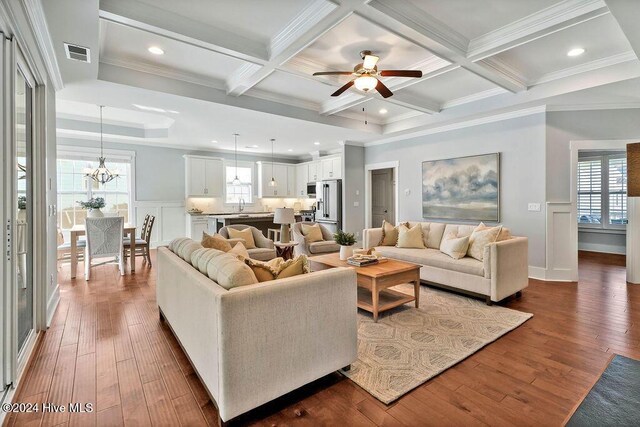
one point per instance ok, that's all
(617, 190)
(590, 191)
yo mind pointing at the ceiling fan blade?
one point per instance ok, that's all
(370, 61)
(401, 73)
(333, 73)
(383, 90)
(342, 89)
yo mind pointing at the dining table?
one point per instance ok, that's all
(79, 230)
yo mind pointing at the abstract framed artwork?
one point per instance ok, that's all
(463, 188)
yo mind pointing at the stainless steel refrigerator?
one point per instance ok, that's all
(329, 204)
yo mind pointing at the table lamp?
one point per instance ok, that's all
(284, 217)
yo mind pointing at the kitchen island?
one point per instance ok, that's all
(260, 220)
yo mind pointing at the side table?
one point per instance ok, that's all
(285, 250)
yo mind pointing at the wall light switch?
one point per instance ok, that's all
(357, 192)
(356, 204)
(534, 207)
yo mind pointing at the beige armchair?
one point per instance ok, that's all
(328, 245)
(264, 250)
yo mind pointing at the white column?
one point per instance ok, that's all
(633, 240)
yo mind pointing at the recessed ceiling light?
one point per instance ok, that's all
(214, 141)
(576, 51)
(156, 50)
(383, 111)
(290, 150)
(316, 143)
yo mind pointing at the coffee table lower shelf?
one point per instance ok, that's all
(387, 299)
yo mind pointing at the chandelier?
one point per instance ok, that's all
(101, 174)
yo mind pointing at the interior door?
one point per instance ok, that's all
(382, 204)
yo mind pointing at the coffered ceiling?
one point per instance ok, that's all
(477, 57)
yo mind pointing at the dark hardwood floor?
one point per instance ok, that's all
(106, 346)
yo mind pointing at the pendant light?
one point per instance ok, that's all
(101, 174)
(273, 182)
(236, 180)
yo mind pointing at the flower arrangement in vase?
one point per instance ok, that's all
(93, 205)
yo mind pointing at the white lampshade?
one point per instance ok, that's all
(366, 83)
(284, 216)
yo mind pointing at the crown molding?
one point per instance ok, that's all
(282, 99)
(163, 72)
(244, 72)
(299, 25)
(424, 23)
(590, 107)
(544, 22)
(462, 124)
(36, 17)
(506, 71)
(586, 67)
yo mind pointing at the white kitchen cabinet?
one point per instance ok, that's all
(196, 224)
(204, 176)
(302, 178)
(314, 173)
(331, 168)
(283, 173)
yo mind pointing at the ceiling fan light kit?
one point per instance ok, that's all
(366, 75)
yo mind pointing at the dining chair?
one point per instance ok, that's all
(104, 240)
(142, 243)
(64, 248)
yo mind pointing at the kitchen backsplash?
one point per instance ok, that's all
(215, 204)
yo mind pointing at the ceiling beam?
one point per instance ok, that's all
(416, 26)
(163, 23)
(312, 23)
(626, 14)
(135, 78)
(540, 24)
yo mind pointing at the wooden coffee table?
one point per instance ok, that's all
(375, 280)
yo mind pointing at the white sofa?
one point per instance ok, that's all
(503, 271)
(254, 343)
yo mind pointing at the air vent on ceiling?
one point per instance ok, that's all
(77, 53)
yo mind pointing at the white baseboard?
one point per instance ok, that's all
(537, 273)
(52, 304)
(541, 273)
(601, 248)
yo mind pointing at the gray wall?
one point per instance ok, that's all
(160, 172)
(566, 126)
(353, 190)
(521, 143)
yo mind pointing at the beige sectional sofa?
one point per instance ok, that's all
(502, 272)
(251, 344)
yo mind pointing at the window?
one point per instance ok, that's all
(74, 186)
(602, 191)
(244, 191)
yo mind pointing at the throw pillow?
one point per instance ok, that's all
(390, 234)
(215, 242)
(410, 237)
(505, 234)
(293, 267)
(481, 237)
(455, 247)
(240, 251)
(313, 233)
(245, 234)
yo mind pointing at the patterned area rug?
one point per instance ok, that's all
(408, 346)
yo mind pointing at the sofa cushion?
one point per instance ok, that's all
(313, 233)
(201, 257)
(215, 242)
(410, 237)
(481, 237)
(263, 254)
(229, 272)
(458, 230)
(323, 247)
(433, 258)
(246, 234)
(186, 249)
(175, 242)
(455, 247)
(431, 233)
